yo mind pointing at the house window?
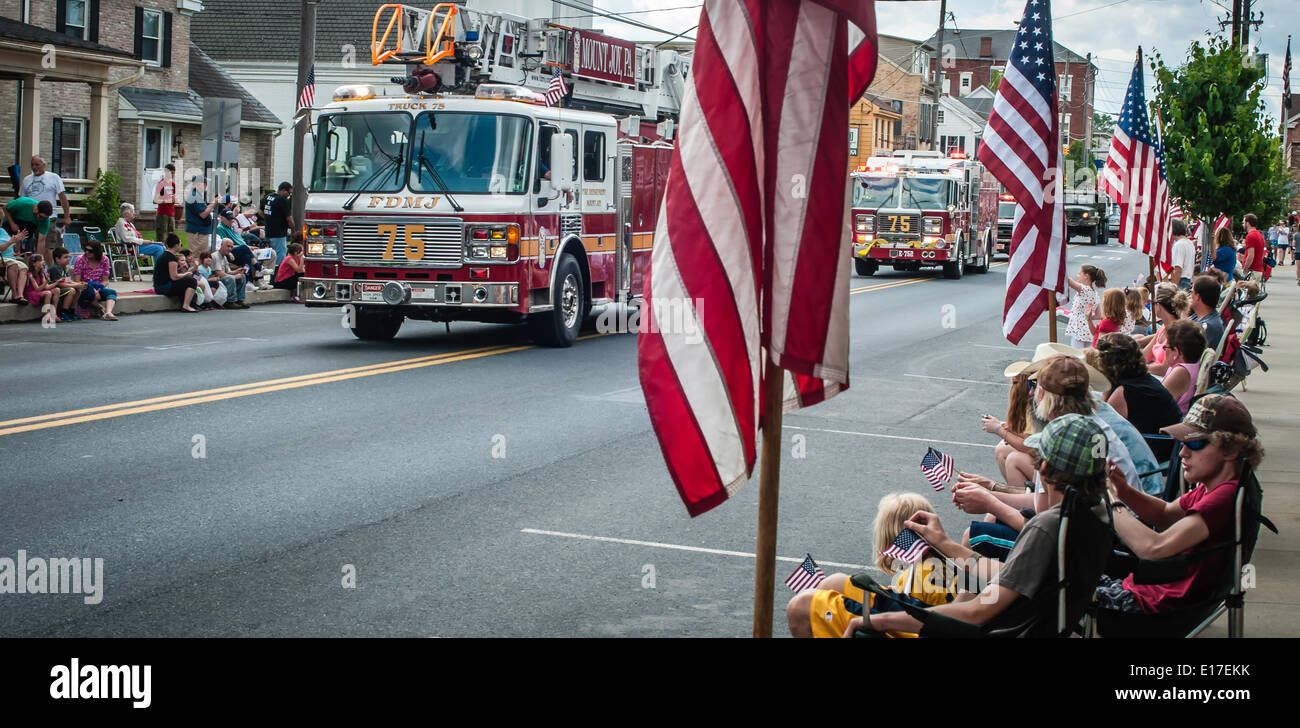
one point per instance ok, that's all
(940, 113)
(153, 137)
(1064, 85)
(69, 147)
(965, 83)
(151, 36)
(74, 18)
(953, 143)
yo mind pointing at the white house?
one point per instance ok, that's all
(255, 42)
(960, 124)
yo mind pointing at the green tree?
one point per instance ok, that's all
(104, 201)
(1222, 152)
(995, 79)
(1103, 124)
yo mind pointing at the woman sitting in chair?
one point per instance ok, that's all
(1219, 446)
(126, 233)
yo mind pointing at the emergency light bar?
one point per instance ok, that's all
(357, 92)
(509, 92)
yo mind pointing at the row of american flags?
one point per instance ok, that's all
(908, 547)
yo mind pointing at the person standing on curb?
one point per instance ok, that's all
(1184, 256)
(164, 196)
(45, 186)
(1256, 249)
(198, 217)
(279, 219)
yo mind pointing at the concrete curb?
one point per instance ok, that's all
(130, 303)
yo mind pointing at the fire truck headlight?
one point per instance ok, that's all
(479, 251)
(939, 243)
(865, 223)
(473, 51)
(316, 248)
(933, 226)
(499, 251)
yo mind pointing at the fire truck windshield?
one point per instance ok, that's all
(926, 193)
(1006, 210)
(361, 152)
(470, 153)
(872, 193)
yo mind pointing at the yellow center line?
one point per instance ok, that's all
(236, 387)
(337, 376)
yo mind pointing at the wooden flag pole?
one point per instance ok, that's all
(1051, 315)
(769, 489)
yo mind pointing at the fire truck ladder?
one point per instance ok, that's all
(413, 25)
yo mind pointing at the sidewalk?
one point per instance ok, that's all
(131, 301)
(1271, 397)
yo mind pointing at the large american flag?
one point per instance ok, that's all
(937, 468)
(1134, 176)
(308, 95)
(1022, 148)
(556, 89)
(750, 251)
(1286, 84)
(809, 574)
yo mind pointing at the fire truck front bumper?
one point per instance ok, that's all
(881, 250)
(431, 294)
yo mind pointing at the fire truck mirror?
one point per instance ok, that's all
(562, 162)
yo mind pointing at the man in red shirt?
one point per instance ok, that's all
(1218, 445)
(164, 196)
(1255, 249)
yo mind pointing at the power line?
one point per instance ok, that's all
(616, 16)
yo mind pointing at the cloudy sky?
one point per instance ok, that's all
(1110, 30)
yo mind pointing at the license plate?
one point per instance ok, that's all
(902, 253)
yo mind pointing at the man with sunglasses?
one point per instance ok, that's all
(1219, 444)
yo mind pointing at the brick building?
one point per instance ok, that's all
(873, 123)
(970, 57)
(1291, 151)
(147, 110)
(901, 77)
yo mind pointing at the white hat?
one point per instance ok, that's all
(1047, 350)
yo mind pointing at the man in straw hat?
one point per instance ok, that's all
(1061, 385)
(1219, 446)
(1071, 454)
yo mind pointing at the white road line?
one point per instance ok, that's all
(203, 343)
(889, 437)
(679, 547)
(955, 379)
(994, 346)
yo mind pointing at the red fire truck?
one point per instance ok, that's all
(915, 208)
(459, 194)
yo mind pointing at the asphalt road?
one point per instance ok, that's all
(233, 469)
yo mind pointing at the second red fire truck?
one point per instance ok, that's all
(914, 209)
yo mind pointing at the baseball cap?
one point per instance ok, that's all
(285, 186)
(1064, 375)
(1212, 413)
(1072, 444)
(228, 214)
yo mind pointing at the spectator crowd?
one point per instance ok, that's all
(229, 249)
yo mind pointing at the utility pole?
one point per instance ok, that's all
(938, 77)
(1236, 23)
(306, 57)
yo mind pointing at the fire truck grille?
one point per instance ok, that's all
(1004, 230)
(898, 225)
(432, 243)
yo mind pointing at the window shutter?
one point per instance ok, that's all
(56, 147)
(61, 17)
(139, 33)
(92, 22)
(167, 41)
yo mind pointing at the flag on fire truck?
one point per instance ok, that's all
(753, 233)
(1022, 148)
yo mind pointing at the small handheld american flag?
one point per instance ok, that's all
(907, 547)
(937, 468)
(808, 574)
(556, 91)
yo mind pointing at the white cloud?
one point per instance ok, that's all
(1111, 34)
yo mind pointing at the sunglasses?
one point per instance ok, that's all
(1195, 445)
(1031, 383)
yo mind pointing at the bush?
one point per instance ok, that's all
(105, 199)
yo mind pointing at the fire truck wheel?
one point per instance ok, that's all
(559, 326)
(865, 267)
(953, 269)
(376, 326)
(982, 261)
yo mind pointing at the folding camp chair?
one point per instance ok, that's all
(1229, 596)
(120, 253)
(1082, 544)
